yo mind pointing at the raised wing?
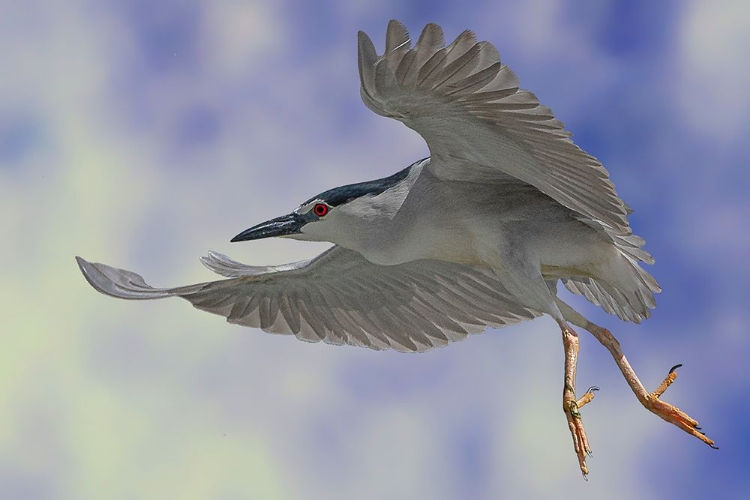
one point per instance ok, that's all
(340, 298)
(478, 124)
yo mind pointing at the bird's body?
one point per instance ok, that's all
(500, 225)
(476, 235)
(429, 224)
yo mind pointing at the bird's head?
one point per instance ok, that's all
(342, 215)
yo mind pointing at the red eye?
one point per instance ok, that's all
(320, 209)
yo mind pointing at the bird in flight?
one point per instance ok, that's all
(477, 235)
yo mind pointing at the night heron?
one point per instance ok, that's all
(475, 236)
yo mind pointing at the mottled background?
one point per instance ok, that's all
(143, 134)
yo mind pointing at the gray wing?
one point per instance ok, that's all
(478, 124)
(340, 298)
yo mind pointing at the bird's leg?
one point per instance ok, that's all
(650, 400)
(571, 405)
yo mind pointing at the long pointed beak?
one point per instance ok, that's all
(280, 226)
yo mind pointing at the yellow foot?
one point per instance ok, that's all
(671, 413)
(575, 424)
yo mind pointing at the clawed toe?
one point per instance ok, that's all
(651, 401)
(671, 413)
(578, 432)
(587, 397)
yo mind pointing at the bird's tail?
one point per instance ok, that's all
(623, 288)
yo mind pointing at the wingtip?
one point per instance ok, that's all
(94, 277)
(396, 37)
(363, 37)
(85, 268)
(118, 282)
(366, 47)
(432, 36)
(396, 24)
(84, 265)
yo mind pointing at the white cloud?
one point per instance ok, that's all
(714, 38)
(238, 32)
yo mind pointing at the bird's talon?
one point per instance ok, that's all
(671, 413)
(678, 365)
(580, 441)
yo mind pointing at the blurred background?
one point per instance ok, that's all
(143, 134)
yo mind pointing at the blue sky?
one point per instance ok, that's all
(143, 134)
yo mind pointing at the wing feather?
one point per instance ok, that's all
(467, 105)
(340, 298)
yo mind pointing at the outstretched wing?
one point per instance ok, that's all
(340, 298)
(478, 124)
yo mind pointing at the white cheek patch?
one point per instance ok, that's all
(303, 209)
